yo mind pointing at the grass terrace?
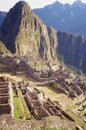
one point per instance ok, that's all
(26, 112)
(20, 108)
(17, 107)
(49, 128)
(76, 118)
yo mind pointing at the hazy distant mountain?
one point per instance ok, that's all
(2, 16)
(66, 17)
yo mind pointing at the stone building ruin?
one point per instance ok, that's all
(41, 108)
(5, 107)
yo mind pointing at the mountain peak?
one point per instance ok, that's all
(55, 4)
(13, 21)
(23, 33)
(22, 4)
(79, 3)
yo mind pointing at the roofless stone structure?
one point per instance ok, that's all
(4, 97)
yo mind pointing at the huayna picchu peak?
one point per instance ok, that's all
(11, 24)
(24, 33)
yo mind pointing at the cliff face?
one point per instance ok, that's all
(72, 50)
(25, 34)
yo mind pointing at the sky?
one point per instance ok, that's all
(5, 5)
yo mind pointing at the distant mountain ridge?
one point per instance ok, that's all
(65, 17)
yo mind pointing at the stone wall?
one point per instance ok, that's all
(4, 96)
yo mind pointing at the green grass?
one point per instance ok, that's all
(27, 114)
(48, 128)
(37, 127)
(17, 107)
(76, 118)
(73, 106)
(20, 108)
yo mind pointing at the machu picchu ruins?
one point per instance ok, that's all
(42, 72)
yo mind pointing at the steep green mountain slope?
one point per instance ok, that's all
(72, 50)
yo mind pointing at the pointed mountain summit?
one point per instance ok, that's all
(23, 33)
(79, 3)
(11, 24)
